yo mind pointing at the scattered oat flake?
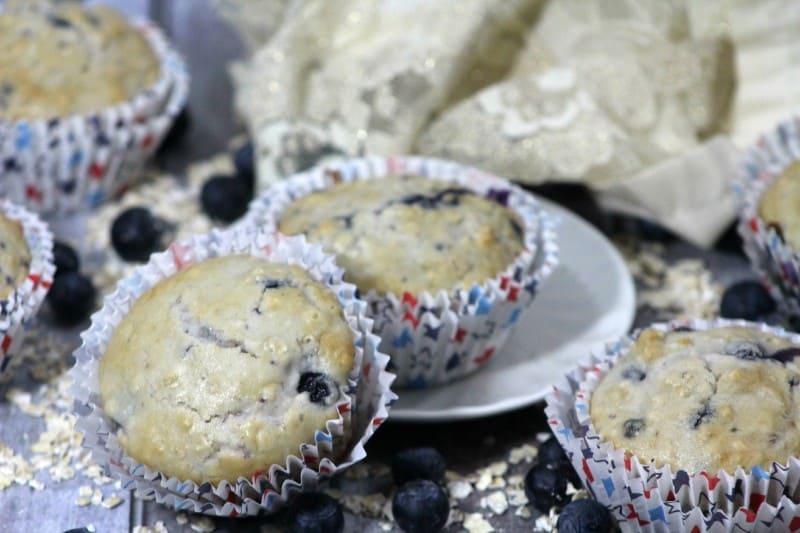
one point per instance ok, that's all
(450, 475)
(516, 497)
(158, 527)
(484, 480)
(497, 483)
(523, 512)
(546, 523)
(526, 453)
(515, 480)
(111, 502)
(367, 505)
(498, 469)
(496, 502)
(475, 523)
(459, 489)
(202, 525)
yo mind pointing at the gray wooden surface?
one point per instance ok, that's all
(208, 45)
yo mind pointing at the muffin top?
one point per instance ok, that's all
(408, 234)
(225, 368)
(62, 59)
(703, 400)
(780, 205)
(15, 257)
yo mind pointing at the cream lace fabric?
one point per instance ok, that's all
(625, 95)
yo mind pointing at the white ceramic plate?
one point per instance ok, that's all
(587, 301)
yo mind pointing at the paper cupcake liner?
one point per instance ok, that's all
(17, 311)
(646, 497)
(774, 260)
(69, 163)
(364, 406)
(437, 338)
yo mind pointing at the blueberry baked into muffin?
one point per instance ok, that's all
(408, 233)
(780, 205)
(62, 59)
(15, 257)
(225, 368)
(703, 400)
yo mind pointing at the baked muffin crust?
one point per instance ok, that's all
(408, 233)
(58, 60)
(15, 257)
(703, 400)
(225, 368)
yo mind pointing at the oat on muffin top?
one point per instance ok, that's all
(15, 257)
(225, 368)
(703, 400)
(409, 233)
(780, 205)
(62, 59)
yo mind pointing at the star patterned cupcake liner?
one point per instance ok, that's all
(362, 409)
(69, 163)
(775, 261)
(437, 338)
(20, 307)
(643, 496)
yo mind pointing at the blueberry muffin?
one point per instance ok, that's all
(408, 233)
(780, 205)
(15, 257)
(225, 368)
(62, 59)
(703, 400)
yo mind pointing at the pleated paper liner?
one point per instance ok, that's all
(646, 497)
(364, 405)
(434, 338)
(69, 163)
(18, 310)
(776, 262)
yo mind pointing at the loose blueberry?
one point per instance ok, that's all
(634, 373)
(314, 512)
(546, 487)
(585, 516)
(748, 300)
(65, 258)
(71, 298)
(418, 463)
(317, 385)
(632, 427)
(225, 198)
(420, 506)
(551, 452)
(746, 350)
(244, 161)
(136, 233)
(552, 455)
(786, 355)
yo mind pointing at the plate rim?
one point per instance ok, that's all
(454, 414)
